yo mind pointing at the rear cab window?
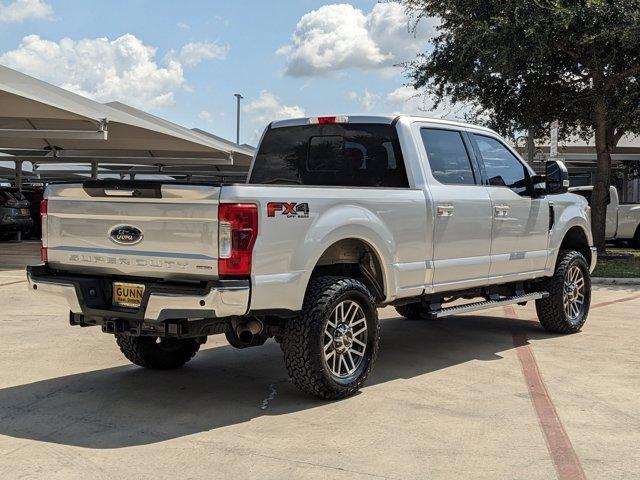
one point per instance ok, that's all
(347, 154)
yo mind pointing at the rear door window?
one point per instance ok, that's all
(350, 155)
(448, 156)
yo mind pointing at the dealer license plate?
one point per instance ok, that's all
(127, 294)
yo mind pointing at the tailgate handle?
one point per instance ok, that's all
(119, 193)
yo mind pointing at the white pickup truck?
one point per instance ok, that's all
(623, 219)
(340, 215)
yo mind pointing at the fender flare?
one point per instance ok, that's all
(555, 250)
(332, 227)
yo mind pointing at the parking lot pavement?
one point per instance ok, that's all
(474, 396)
(14, 255)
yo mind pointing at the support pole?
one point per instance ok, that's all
(18, 181)
(553, 145)
(530, 148)
(238, 98)
(18, 175)
(94, 170)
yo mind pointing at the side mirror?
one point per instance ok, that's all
(539, 186)
(557, 177)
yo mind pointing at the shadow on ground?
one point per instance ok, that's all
(126, 406)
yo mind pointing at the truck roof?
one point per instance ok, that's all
(383, 119)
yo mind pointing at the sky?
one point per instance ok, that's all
(185, 60)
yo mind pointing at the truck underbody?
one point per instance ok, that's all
(95, 308)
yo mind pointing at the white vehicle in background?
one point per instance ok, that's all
(339, 216)
(623, 220)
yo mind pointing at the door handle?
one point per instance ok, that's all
(445, 210)
(501, 210)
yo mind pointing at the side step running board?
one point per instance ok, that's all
(476, 306)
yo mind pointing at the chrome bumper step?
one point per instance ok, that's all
(476, 306)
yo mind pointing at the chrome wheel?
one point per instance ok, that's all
(574, 293)
(345, 339)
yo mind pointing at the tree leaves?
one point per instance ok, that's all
(526, 63)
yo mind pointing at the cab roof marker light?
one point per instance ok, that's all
(325, 120)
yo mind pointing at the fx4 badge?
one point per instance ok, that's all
(291, 209)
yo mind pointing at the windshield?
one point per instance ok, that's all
(358, 155)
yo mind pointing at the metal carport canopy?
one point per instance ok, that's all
(40, 122)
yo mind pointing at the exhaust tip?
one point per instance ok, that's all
(247, 331)
(245, 336)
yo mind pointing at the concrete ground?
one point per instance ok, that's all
(474, 396)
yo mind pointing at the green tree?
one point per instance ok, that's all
(524, 63)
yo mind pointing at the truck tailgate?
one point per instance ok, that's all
(142, 229)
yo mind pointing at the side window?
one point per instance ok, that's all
(448, 157)
(502, 168)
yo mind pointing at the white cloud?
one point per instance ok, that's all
(267, 108)
(367, 99)
(340, 36)
(408, 100)
(404, 96)
(20, 10)
(183, 26)
(205, 115)
(192, 54)
(124, 69)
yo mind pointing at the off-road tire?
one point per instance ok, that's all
(414, 311)
(146, 352)
(550, 310)
(303, 336)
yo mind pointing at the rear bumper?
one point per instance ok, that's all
(91, 296)
(594, 259)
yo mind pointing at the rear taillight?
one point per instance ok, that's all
(237, 233)
(44, 206)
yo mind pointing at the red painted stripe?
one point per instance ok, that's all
(564, 457)
(12, 283)
(612, 302)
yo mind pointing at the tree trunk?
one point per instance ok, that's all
(604, 144)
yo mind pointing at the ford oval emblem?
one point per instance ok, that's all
(125, 235)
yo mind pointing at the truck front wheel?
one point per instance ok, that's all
(158, 353)
(566, 308)
(330, 348)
